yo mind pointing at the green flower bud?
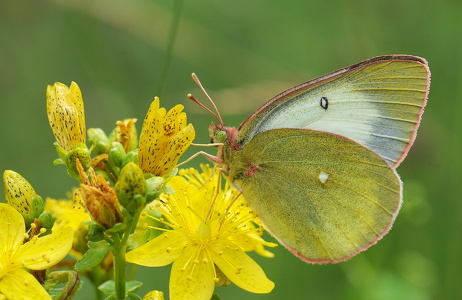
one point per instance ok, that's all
(130, 187)
(46, 220)
(116, 156)
(81, 152)
(97, 137)
(132, 156)
(155, 187)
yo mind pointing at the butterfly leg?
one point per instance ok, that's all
(210, 157)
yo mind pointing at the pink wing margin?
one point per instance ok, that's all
(424, 63)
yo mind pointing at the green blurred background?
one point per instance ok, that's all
(245, 52)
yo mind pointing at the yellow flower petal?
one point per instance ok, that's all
(67, 213)
(164, 137)
(192, 276)
(21, 285)
(44, 252)
(66, 114)
(161, 251)
(242, 270)
(12, 232)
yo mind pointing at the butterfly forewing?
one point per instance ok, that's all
(323, 196)
(377, 103)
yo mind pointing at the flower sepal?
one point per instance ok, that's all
(79, 151)
(36, 210)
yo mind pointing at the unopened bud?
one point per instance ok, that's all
(130, 185)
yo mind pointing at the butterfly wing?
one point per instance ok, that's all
(377, 103)
(323, 196)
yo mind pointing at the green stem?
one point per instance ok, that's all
(119, 249)
(119, 267)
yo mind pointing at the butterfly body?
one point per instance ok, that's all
(317, 162)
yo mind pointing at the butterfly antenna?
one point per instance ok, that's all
(216, 114)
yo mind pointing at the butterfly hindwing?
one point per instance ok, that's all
(321, 195)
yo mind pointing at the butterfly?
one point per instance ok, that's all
(317, 162)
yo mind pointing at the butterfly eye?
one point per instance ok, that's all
(220, 137)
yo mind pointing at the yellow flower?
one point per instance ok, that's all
(37, 254)
(72, 214)
(66, 114)
(164, 137)
(211, 230)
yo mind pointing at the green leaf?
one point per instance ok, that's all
(117, 228)
(108, 287)
(94, 255)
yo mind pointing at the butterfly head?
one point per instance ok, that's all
(225, 135)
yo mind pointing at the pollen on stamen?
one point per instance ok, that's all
(43, 230)
(205, 260)
(168, 249)
(216, 279)
(190, 278)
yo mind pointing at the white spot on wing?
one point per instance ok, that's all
(323, 176)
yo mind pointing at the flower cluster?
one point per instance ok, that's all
(132, 204)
